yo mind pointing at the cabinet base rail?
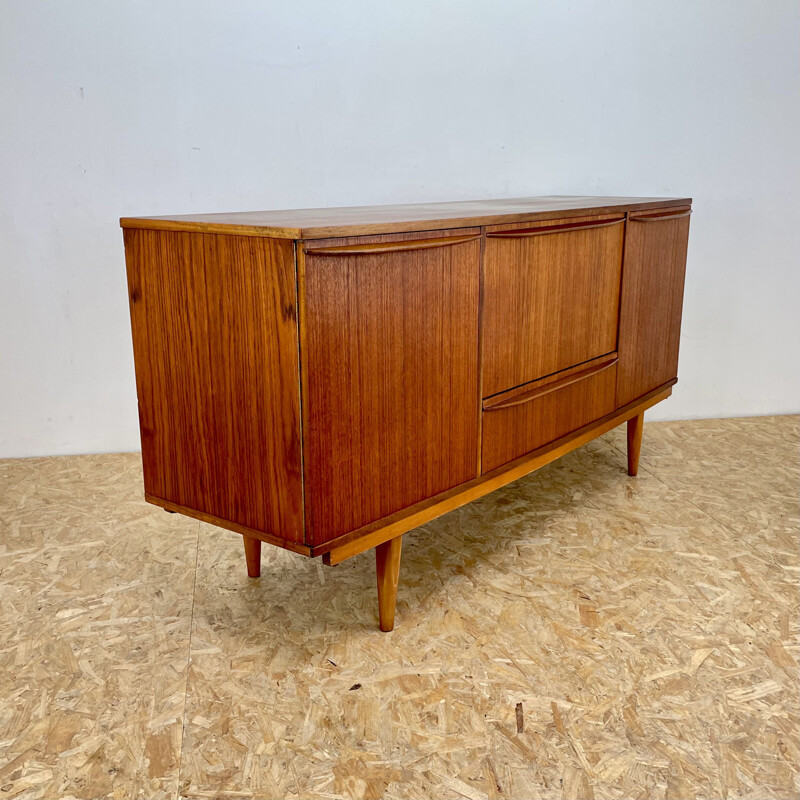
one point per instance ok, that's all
(386, 534)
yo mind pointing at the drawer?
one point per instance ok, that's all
(531, 416)
(550, 297)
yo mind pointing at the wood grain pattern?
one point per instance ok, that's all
(387, 569)
(215, 344)
(175, 508)
(336, 551)
(392, 355)
(252, 554)
(635, 428)
(511, 431)
(661, 216)
(320, 223)
(550, 301)
(551, 383)
(394, 246)
(389, 354)
(556, 226)
(651, 302)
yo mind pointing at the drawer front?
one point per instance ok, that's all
(550, 297)
(519, 422)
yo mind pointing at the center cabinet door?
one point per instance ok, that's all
(390, 399)
(551, 297)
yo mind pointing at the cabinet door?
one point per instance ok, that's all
(389, 348)
(551, 297)
(652, 300)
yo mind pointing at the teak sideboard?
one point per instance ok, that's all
(327, 379)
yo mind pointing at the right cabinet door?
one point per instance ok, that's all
(651, 301)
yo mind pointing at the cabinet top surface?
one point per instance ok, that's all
(318, 223)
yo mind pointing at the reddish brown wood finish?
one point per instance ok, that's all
(320, 223)
(252, 554)
(551, 298)
(390, 387)
(511, 431)
(392, 245)
(175, 508)
(387, 568)
(215, 345)
(338, 550)
(559, 380)
(398, 354)
(635, 427)
(652, 300)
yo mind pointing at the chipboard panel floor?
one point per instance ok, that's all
(577, 634)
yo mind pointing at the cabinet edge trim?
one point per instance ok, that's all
(375, 533)
(287, 544)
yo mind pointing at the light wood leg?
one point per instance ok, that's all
(635, 425)
(387, 566)
(252, 552)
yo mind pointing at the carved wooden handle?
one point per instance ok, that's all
(656, 218)
(577, 226)
(540, 391)
(390, 247)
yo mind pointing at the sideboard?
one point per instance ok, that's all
(325, 380)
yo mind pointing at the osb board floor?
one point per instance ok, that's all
(577, 634)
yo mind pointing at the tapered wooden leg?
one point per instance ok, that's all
(635, 425)
(252, 552)
(387, 566)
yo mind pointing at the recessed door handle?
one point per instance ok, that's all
(390, 247)
(544, 230)
(656, 218)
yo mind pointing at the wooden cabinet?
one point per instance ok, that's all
(326, 380)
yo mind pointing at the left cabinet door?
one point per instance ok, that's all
(389, 355)
(214, 321)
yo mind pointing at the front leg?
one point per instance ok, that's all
(387, 567)
(252, 553)
(635, 425)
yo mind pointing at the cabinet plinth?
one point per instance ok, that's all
(326, 380)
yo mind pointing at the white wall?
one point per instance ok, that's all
(125, 108)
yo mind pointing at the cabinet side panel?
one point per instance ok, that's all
(167, 293)
(391, 381)
(651, 304)
(214, 321)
